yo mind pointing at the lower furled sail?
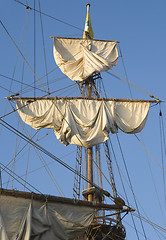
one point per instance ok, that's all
(34, 216)
(83, 122)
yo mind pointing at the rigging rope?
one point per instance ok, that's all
(45, 60)
(123, 187)
(125, 70)
(49, 72)
(34, 54)
(24, 25)
(123, 184)
(21, 135)
(24, 52)
(14, 174)
(163, 148)
(6, 89)
(48, 170)
(23, 56)
(155, 187)
(36, 169)
(27, 162)
(120, 173)
(131, 185)
(20, 151)
(22, 83)
(132, 84)
(43, 162)
(29, 103)
(138, 231)
(25, 19)
(148, 221)
(150, 154)
(118, 223)
(45, 14)
(126, 194)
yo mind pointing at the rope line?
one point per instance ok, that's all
(123, 187)
(138, 231)
(25, 45)
(153, 180)
(23, 56)
(22, 83)
(131, 83)
(45, 14)
(34, 53)
(150, 154)
(163, 145)
(15, 131)
(36, 169)
(44, 50)
(149, 222)
(125, 70)
(26, 173)
(14, 110)
(42, 160)
(131, 185)
(6, 89)
(7, 169)
(24, 25)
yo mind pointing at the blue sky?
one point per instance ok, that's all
(139, 26)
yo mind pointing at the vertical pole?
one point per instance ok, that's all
(90, 173)
(0, 179)
(89, 150)
(90, 157)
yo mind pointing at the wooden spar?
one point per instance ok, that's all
(81, 39)
(61, 200)
(83, 98)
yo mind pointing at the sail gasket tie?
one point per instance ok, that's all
(28, 7)
(152, 96)
(12, 96)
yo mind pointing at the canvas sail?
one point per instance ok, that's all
(83, 122)
(24, 219)
(79, 58)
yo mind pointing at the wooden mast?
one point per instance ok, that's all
(89, 150)
(90, 157)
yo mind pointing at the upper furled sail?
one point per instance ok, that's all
(81, 121)
(79, 58)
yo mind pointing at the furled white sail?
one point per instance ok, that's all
(83, 122)
(23, 219)
(79, 58)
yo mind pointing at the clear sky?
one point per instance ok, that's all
(140, 27)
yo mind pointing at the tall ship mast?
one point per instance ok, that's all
(85, 121)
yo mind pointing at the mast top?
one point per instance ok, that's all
(88, 31)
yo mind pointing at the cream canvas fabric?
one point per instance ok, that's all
(84, 122)
(79, 58)
(25, 219)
